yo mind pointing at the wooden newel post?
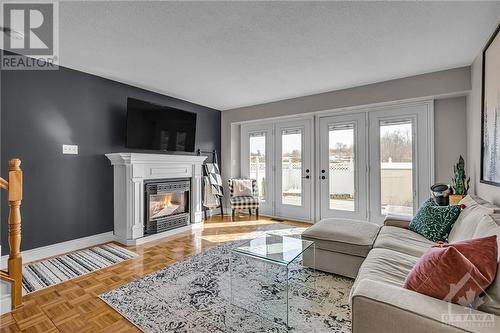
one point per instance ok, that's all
(15, 264)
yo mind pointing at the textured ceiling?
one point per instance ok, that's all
(231, 54)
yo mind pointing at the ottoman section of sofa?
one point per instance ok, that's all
(341, 245)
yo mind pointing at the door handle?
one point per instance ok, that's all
(306, 177)
(323, 172)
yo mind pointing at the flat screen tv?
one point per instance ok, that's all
(156, 127)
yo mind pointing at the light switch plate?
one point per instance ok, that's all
(70, 149)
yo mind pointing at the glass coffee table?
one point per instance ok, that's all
(264, 270)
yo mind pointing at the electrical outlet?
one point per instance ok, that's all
(70, 149)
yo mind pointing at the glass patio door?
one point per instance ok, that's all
(257, 151)
(369, 163)
(279, 156)
(342, 166)
(400, 160)
(294, 169)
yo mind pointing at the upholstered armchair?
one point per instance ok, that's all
(247, 200)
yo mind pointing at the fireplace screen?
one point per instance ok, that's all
(166, 205)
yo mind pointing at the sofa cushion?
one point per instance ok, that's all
(402, 240)
(475, 200)
(380, 308)
(344, 236)
(397, 220)
(434, 222)
(385, 266)
(489, 226)
(457, 272)
(244, 202)
(466, 223)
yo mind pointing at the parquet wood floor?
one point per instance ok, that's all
(74, 306)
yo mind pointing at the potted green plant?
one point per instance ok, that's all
(460, 182)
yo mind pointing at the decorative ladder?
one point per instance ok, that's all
(14, 273)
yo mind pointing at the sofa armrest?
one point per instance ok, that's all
(382, 308)
(400, 221)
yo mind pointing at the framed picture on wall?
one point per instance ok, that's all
(490, 127)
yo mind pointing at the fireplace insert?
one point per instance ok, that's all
(166, 204)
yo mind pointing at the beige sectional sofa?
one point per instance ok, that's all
(381, 305)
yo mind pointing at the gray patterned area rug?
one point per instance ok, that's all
(194, 295)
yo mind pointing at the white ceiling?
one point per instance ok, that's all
(231, 54)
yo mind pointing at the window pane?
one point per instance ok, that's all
(396, 167)
(258, 162)
(291, 166)
(341, 167)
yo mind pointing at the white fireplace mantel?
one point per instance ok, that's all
(130, 170)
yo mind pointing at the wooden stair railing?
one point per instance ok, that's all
(14, 273)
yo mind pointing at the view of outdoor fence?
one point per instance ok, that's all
(396, 176)
(396, 166)
(258, 172)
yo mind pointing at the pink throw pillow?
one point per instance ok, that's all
(457, 272)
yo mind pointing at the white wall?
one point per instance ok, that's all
(488, 192)
(442, 85)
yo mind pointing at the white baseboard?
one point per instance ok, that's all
(61, 248)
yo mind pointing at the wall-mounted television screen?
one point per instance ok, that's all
(156, 127)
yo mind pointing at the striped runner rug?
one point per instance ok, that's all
(42, 274)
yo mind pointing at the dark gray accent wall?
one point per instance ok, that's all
(71, 196)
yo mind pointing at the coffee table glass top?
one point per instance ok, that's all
(279, 249)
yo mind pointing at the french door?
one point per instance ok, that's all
(279, 155)
(401, 160)
(375, 162)
(343, 172)
(369, 163)
(293, 169)
(257, 162)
